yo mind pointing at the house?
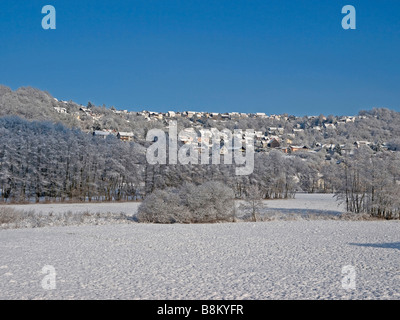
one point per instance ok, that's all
(225, 116)
(275, 117)
(125, 136)
(285, 149)
(190, 114)
(259, 134)
(273, 143)
(329, 126)
(60, 110)
(298, 148)
(101, 134)
(261, 115)
(291, 135)
(272, 130)
(350, 119)
(329, 147)
(347, 119)
(359, 144)
(85, 110)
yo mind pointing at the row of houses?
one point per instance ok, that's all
(273, 137)
(121, 135)
(193, 115)
(230, 115)
(208, 115)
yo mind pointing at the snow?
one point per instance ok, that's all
(303, 203)
(128, 208)
(263, 260)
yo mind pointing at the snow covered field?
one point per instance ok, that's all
(303, 203)
(263, 260)
(128, 208)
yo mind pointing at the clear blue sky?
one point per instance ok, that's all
(236, 55)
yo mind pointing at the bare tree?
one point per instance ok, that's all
(253, 204)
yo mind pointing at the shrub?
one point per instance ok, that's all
(9, 215)
(209, 202)
(162, 206)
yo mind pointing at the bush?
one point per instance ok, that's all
(209, 202)
(9, 215)
(162, 206)
(11, 218)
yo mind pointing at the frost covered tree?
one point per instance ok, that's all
(369, 183)
(40, 160)
(206, 203)
(252, 204)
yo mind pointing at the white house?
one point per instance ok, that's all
(125, 136)
(101, 134)
(60, 110)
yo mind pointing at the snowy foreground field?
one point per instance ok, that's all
(264, 260)
(299, 259)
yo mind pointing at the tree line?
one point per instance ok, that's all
(46, 161)
(369, 183)
(40, 161)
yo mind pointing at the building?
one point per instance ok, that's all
(125, 136)
(273, 143)
(359, 144)
(298, 148)
(101, 134)
(60, 110)
(329, 126)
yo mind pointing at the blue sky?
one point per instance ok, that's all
(239, 55)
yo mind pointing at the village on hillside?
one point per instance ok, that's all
(275, 137)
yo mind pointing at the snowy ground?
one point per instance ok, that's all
(263, 260)
(307, 204)
(128, 208)
(303, 203)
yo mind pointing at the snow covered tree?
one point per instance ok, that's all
(253, 204)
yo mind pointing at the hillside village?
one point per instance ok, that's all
(322, 134)
(274, 137)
